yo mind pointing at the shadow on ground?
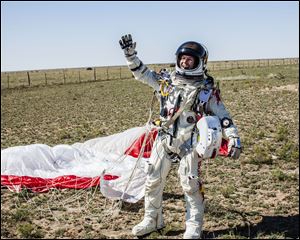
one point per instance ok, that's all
(172, 196)
(286, 225)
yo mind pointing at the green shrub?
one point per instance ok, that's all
(27, 230)
(260, 135)
(21, 215)
(228, 191)
(282, 133)
(59, 232)
(289, 151)
(260, 156)
(279, 175)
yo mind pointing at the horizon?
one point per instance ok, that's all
(49, 69)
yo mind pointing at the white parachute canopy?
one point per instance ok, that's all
(116, 162)
(108, 161)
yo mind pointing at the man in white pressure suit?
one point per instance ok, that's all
(189, 103)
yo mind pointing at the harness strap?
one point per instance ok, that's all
(187, 103)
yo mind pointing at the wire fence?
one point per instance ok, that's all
(89, 74)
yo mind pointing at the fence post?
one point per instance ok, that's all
(107, 73)
(64, 76)
(7, 80)
(45, 78)
(28, 78)
(120, 73)
(79, 75)
(95, 76)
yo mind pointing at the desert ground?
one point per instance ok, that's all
(256, 196)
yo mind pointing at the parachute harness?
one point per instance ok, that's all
(164, 88)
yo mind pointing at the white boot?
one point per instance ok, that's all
(148, 225)
(192, 232)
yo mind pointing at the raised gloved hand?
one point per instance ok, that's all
(127, 45)
(234, 147)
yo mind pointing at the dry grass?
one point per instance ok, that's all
(255, 197)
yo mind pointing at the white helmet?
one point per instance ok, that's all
(200, 54)
(210, 137)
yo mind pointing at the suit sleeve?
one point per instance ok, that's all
(217, 108)
(142, 73)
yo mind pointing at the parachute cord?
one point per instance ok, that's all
(147, 125)
(148, 129)
(136, 164)
(206, 171)
(151, 108)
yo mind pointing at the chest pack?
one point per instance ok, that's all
(171, 100)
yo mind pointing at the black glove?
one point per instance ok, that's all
(234, 147)
(127, 45)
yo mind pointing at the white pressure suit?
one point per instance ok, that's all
(178, 140)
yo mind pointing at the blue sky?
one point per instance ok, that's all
(46, 35)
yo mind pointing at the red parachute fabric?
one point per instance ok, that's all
(37, 184)
(135, 148)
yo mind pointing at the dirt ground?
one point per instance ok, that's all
(256, 196)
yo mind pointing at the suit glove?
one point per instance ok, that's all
(128, 45)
